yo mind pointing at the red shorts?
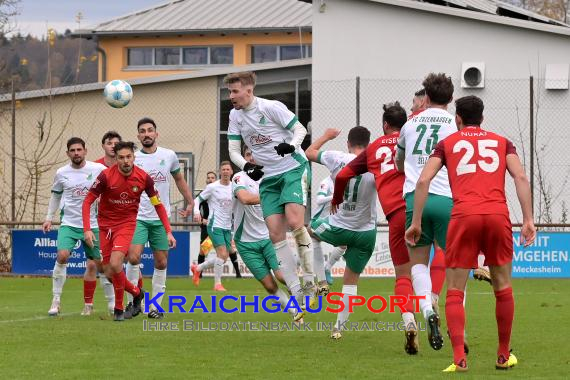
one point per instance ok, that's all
(470, 235)
(115, 239)
(396, 231)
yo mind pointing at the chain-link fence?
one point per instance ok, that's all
(508, 111)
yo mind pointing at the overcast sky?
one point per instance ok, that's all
(35, 16)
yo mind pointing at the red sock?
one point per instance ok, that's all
(134, 290)
(119, 280)
(140, 283)
(504, 312)
(437, 271)
(404, 288)
(455, 315)
(89, 290)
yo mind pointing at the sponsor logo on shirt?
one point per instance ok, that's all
(157, 176)
(79, 191)
(260, 140)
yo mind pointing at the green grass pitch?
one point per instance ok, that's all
(36, 346)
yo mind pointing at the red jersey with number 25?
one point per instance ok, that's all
(378, 159)
(120, 195)
(476, 162)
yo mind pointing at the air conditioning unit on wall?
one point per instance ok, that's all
(473, 75)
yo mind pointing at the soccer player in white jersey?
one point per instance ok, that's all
(220, 201)
(322, 210)
(354, 225)
(274, 135)
(160, 164)
(418, 137)
(251, 235)
(70, 185)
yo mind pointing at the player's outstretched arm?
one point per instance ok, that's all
(312, 151)
(431, 168)
(182, 186)
(53, 206)
(516, 170)
(247, 198)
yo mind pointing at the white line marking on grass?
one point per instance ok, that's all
(38, 318)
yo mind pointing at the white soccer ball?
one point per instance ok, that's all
(118, 93)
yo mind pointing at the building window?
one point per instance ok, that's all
(182, 57)
(271, 53)
(140, 57)
(196, 56)
(167, 56)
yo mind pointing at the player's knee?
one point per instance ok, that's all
(62, 257)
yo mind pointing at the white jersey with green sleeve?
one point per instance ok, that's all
(160, 166)
(418, 138)
(249, 225)
(358, 210)
(220, 202)
(326, 190)
(74, 184)
(262, 126)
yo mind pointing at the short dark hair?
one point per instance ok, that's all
(111, 135)
(244, 149)
(421, 92)
(470, 109)
(124, 145)
(223, 163)
(439, 88)
(75, 140)
(146, 120)
(394, 114)
(359, 137)
(214, 173)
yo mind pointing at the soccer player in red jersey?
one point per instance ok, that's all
(476, 161)
(120, 188)
(378, 159)
(108, 142)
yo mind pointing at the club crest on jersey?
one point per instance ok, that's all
(260, 140)
(262, 121)
(90, 177)
(162, 163)
(135, 189)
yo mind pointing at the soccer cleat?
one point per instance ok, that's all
(155, 314)
(461, 367)
(329, 276)
(434, 335)
(87, 309)
(129, 311)
(195, 274)
(336, 334)
(503, 363)
(137, 302)
(118, 315)
(219, 288)
(55, 307)
(323, 289)
(298, 316)
(412, 343)
(482, 274)
(309, 290)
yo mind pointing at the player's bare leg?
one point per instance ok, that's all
(59, 276)
(419, 259)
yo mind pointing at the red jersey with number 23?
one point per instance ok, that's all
(120, 195)
(378, 159)
(476, 162)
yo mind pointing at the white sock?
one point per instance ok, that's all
(108, 290)
(335, 256)
(58, 279)
(288, 267)
(481, 262)
(422, 287)
(408, 318)
(305, 250)
(158, 284)
(133, 272)
(318, 261)
(218, 270)
(209, 263)
(283, 299)
(347, 290)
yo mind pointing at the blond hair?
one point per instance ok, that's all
(246, 78)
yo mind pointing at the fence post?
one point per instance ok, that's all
(357, 100)
(531, 133)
